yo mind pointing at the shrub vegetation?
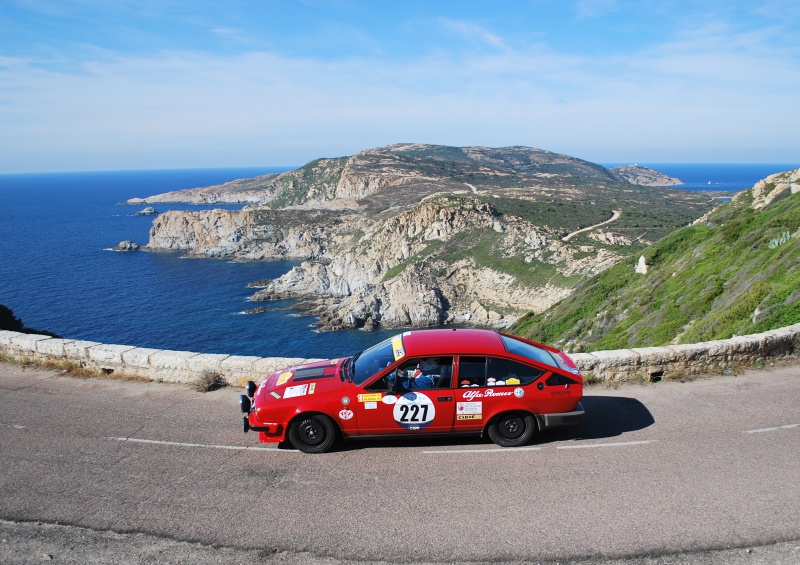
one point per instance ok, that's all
(735, 274)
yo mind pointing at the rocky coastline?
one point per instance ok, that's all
(415, 236)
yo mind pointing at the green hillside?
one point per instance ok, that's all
(734, 273)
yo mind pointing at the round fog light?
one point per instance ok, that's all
(244, 403)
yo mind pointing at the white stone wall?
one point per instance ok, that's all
(646, 363)
(152, 364)
(676, 361)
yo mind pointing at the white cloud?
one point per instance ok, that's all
(588, 9)
(732, 95)
(474, 33)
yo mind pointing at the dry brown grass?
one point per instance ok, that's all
(207, 381)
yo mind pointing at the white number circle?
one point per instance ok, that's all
(414, 411)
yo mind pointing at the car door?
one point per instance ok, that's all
(488, 386)
(411, 402)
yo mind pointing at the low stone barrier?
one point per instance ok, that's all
(686, 360)
(151, 364)
(638, 364)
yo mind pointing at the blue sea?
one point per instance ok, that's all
(58, 274)
(718, 177)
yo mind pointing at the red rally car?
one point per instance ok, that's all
(442, 381)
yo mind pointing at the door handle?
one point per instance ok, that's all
(444, 398)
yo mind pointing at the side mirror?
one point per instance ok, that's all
(251, 388)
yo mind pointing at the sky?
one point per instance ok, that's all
(154, 84)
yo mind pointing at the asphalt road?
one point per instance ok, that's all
(112, 471)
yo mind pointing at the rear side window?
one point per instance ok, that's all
(506, 372)
(493, 371)
(557, 379)
(472, 371)
(533, 353)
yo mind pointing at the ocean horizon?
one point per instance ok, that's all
(59, 274)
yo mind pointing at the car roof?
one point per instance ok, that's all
(452, 341)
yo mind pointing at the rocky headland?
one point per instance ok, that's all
(645, 176)
(422, 235)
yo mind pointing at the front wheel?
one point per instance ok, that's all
(512, 429)
(312, 434)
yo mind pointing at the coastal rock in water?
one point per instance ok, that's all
(127, 246)
(411, 299)
(149, 211)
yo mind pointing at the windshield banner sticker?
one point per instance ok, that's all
(397, 348)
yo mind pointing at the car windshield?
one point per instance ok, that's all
(371, 361)
(532, 352)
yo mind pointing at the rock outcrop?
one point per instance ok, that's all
(383, 284)
(233, 234)
(773, 187)
(610, 238)
(126, 246)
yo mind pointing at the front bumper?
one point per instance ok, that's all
(267, 431)
(561, 419)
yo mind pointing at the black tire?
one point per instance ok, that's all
(312, 434)
(512, 429)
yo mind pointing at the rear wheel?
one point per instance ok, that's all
(512, 429)
(312, 434)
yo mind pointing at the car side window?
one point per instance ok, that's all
(381, 385)
(471, 372)
(417, 373)
(500, 372)
(493, 371)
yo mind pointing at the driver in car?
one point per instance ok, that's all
(418, 375)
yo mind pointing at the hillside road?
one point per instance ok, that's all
(96, 470)
(614, 217)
